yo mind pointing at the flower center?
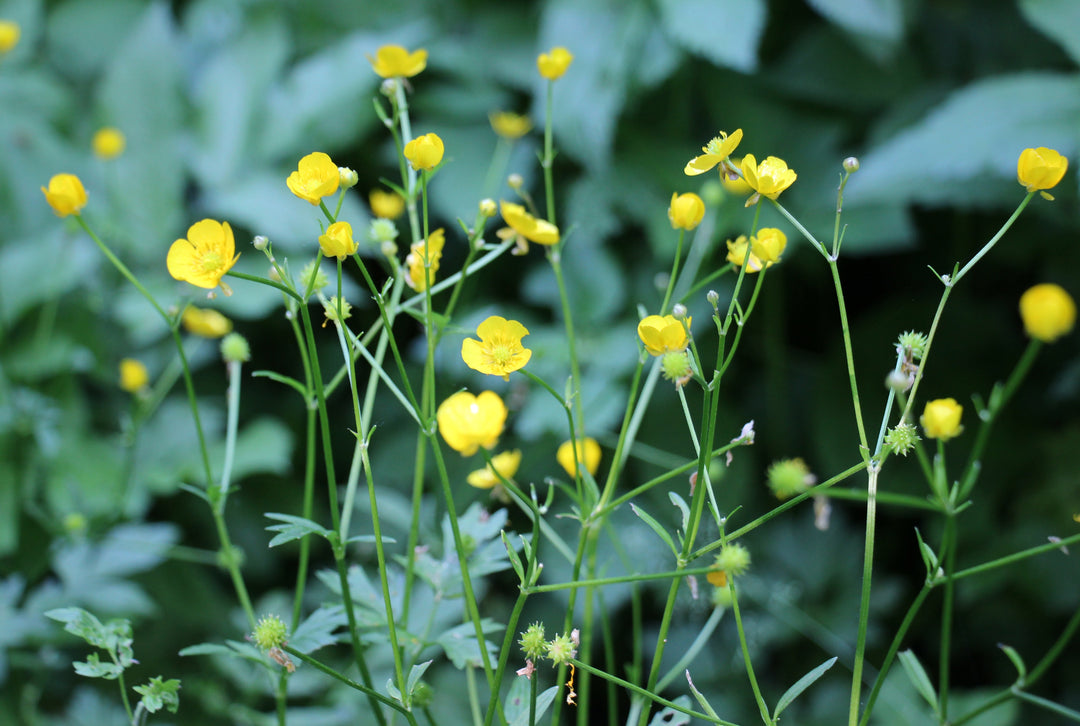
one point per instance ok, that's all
(501, 353)
(212, 261)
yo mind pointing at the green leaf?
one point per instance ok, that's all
(95, 668)
(232, 649)
(929, 558)
(516, 706)
(668, 716)
(515, 559)
(158, 694)
(681, 504)
(1017, 661)
(1059, 20)
(881, 20)
(801, 685)
(917, 674)
(702, 701)
(693, 23)
(460, 644)
(293, 528)
(81, 623)
(317, 630)
(416, 674)
(655, 526)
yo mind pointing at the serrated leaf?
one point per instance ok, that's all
(80, 623)
(693, 23)
(95, 668)
(655, 526)
(158, 694)
(801, 685)
(293, 527)
(917, 674)
(317, 630)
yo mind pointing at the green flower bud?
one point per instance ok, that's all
(851, 164)
(721, 597)
(270, 632)
(235, 348)
(347, 178)
(532, 641)
(260, 242)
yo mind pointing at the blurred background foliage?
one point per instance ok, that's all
(218, 100)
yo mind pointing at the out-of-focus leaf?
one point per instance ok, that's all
(516, 707)
(1058, 19)
(694, 24)
(318, 629)
(83, 34)
(957, 152)
(882, 20)
(460, 645)
(24, 259)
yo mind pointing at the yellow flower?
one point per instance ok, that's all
(769, 178)
(506, 464)
(316, 177)
(393, 60)
(424, 152)
(535, 230)
(734, 183)
(715, 152)
(588, 454)
(205, 322)
(65, 194)
(941, 419)
(499, 351)
(510, 125)
(9, 36)
(205, 256)
(768, 244)
(737, 253)
(1040, 168)
(663, 334)
(686, 211)
(717, 578)
(108, 143)
(337, 241)
(1048, 312)
(386, 205)
(133, 375)
(415, 273)
(553, 64)
(468, 422)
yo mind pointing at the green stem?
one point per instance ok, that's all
(374, 696)
(948, 547)
(674, 272)
(864, 601)
(648, 695)
(894, 647)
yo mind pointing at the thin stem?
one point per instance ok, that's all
(864, 601)
(949, 550)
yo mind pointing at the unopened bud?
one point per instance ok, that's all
(851, 165)
(897, 381)
(713, 297)
(515, 181)
(487, 207)
(347, 178)
(235, 348)
(260, 242)
(678, 311)
(389, 88)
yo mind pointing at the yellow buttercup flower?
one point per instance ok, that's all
(467, 422)
(506, 464)
(713, 153)
(769, 178)
(664, 334)
(392, 61)
(65, 194)
(108, 143)
(386, 205)
(588, 455)
(524, 224)
(337, 241)
(416, 276)
(553, 64)
(204, 256)
(1040, 168)
(9, 36)
(1048, 312)
(686, 211)
(941, 419)
(768, 244)
(205, 322)
(424, 152)
(510, 125)
(133, 375)
(499, 351)
(737, 254)
(316, 177)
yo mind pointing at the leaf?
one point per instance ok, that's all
(681, 504)
(801, 685)
(882, 20)
(702, 701)
(974, 135)
(158, 694)
(516, 707)
(668, 716)
(95, 668)
(693, 23)
(460, 645)
(929, 558)
(655, 526)
(80, 623)
(1059, 20)
(317, 630)
(1017, 661)
(293, 527)
(515, 559)
(917, 674)
(416, 674)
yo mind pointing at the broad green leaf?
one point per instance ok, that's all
(516, 707)
(881, 20)
(1058, 19)
(317, 630)
(293, 527)
(965, 150)
(668, 716)
(655, 527)
(460, 644)
(917, 674)
(94, 667)
(693, 24)
(801, 685)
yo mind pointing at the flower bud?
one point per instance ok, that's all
(331, 309)
(321, 280)
(235, 348)
(347, 178)
(1048, 312)
(133, 375)
(260, 242)
(713, 297)
(851, 165)
(382, 230)
(270, 632)
(389, 249)
(389, 87)
(560, 650)
(487, 207)
(678, 311)
(273, 274)
(515, 181)
(897, 381)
